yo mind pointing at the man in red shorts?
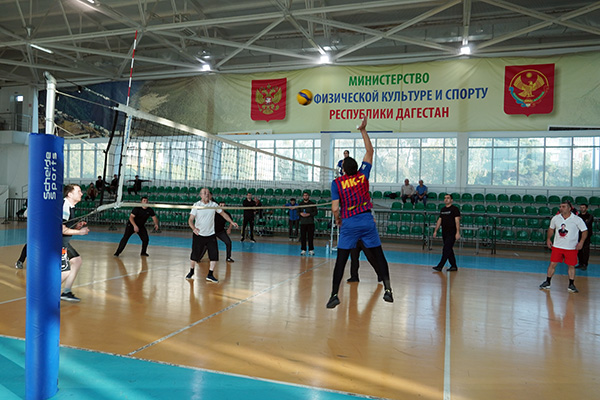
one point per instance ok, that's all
(565, 227)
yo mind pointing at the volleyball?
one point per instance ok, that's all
(304, 97)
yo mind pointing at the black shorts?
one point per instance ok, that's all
(71, 252)
(201, 242)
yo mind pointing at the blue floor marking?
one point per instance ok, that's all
(92, 375)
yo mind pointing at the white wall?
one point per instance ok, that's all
(14, 163)
(30, 103)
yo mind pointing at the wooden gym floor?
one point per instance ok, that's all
(483, 332)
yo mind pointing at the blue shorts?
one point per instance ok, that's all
(359, 227)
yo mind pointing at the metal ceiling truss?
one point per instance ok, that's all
(94, 42)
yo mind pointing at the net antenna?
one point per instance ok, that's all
(127, 132)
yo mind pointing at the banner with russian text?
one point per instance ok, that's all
(463, 95)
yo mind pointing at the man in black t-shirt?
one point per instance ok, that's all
(449, 220)
(136, 224)
(248, 217)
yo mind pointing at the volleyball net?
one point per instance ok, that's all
(169, 162)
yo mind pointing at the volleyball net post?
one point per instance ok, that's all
(44, 243)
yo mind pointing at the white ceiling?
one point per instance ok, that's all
(94, 42)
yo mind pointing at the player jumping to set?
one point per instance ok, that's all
(351, 206)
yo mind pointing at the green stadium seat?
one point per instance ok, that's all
(441, 205)
(505, 221)
(404, 230)
(596, 213)
(430, 207)
(251, 191)
(297, 193)
(595, 240)
(544, 210)
(504, 209)
(594, 201)
(406, 218)
(395, 216)
(478, 198)
(269, 192)
(441, 196)
(537, 236)
(326, 194)
(416, 230)
(533, 223)
(482, 234)
(466, 197)
(278, 192)
(528, 199)
(431, 196)
(480, 220)
(466, 220)
(491, 209)
(520, 222)
(455, 196)
(408, 206)
(517, 210)
(316, 193)
(479, 208)
(545, 223)
(286, 192)
(531, 210)
(515, 198)
(392, 229)
(377, 194)
(494, 233)
(468, 233)
(419, 206)
(522, 236)
(581, 200)
(508, 235)
(554, 199)
(490, 198)
(467, 208)
(397, 205)
(541, 199)
(554, 210)
(418, 218)
(503, 198)
(567, 198)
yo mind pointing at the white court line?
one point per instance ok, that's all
(185, 328)
(447, 344)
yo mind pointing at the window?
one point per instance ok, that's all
(534, 162)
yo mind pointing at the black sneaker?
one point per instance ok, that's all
(145, 255)
(242, 239)
(333, 301)
(19, 265)
(70, 297)
(116, 254)
(572, 289)
(452, 269)
(253, 241)
(545, 285)
(351, 279)
(581, 267)
(387, 296)
(211, 278)
(229, 259)
(438, 268)
(190, 274)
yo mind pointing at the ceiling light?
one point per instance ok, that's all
(465, 50)
(324, 59)
(35, 46)
(205, 67)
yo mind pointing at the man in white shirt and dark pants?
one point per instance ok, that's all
(202, 223)
(565, 227)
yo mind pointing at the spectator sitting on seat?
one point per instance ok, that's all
(420, 193)
(100, 184)
(91, 193)
(407, 191)
(114, 185)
